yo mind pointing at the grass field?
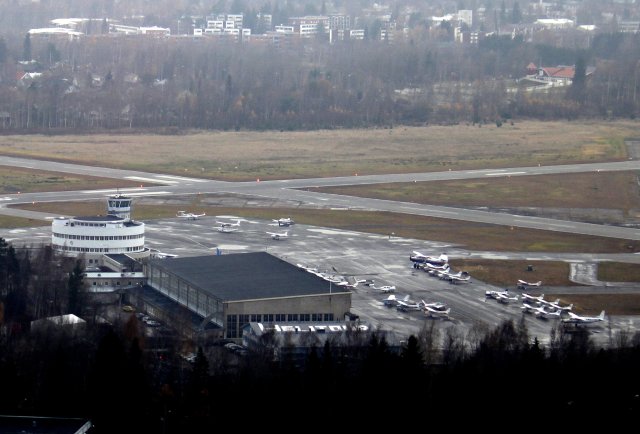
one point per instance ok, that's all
(473, 236)
(507, 273)
(618, 272)
(278, 155)
(19, 180)
(611, 190)
(593, 304)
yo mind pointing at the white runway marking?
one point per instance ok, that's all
(333, 232)
(504, 173)
(113, 190)
(230, 247)
(154, 180)
(149, 193)
(181, 178)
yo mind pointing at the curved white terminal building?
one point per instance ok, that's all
(94, 236)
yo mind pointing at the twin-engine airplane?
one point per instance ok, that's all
(189, 215)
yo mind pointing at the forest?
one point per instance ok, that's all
(113, 375)
(169, 85)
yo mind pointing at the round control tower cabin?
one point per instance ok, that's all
(95, 236)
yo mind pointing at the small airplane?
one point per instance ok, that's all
(460, 276)
(189, 215)
(527, 308)
(556, 305)
(229, 225)
(385, 288)
(501, 296)
(428, 268)
(405, 305)
(577, 319)
(162, 255)
(436, 310)
(278, 236)
(545, 314)
(424, 259)
(523, 284)
(538, 299)
(284, 221)
(226, 229)
(392, 301)
(504, 298)
(437, 306)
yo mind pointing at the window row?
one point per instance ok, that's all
(235, 323)
(98, 238)
(99, 249)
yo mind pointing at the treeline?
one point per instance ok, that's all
(111, 374)
(181, 83)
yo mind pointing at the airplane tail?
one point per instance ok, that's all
(601, 316)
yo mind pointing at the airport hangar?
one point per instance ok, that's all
(227, 292)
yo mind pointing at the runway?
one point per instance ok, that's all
(294, 190)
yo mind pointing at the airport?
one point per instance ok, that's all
(340, 256)
(356, 256)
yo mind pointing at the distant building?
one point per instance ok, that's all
(68, 323)
(43, 425)
(555, 23)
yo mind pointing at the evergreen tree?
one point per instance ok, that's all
(75, 286)
(26, 48)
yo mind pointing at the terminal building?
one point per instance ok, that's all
(93, 237)
(228, 292)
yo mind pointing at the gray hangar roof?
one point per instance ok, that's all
(246, 276)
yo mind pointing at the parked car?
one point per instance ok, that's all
(128, 308)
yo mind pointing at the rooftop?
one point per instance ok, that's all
(246, 276)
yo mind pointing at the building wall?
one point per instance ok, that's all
(73, 238)
(319, 308)
(180, 291)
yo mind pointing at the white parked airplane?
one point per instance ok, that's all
(385, 288)
(392, 301)
(229, 225)
(434, 260)
(577, 319)
(556, 305)
(523, 284)
(527, 308)
(162, 255)
(405, 305)
(436, 313)
(538, 299)
(545, 314)
(460, 276)
(226, 229)
(284, 221)
(540, 311)
(279, 236)
(189, 215)
(502, 297)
